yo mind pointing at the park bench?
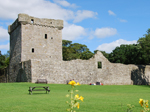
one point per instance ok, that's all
(41, 81)
(40, 88)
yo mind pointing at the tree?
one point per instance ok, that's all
(126, 54)
(4, 62)
(75, 51)
(144, 43)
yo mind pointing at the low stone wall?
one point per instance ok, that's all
(3, 79)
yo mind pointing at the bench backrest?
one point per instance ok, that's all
(41, 81)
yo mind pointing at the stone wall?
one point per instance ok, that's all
(24, 72)
(36, 46)
(87, 71)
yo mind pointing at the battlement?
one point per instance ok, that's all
(26, 19)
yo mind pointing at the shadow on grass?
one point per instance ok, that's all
(148, 86)
(38, 93)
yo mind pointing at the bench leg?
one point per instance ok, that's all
(30, 92)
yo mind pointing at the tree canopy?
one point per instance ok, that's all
(4, 62)
(75, 51)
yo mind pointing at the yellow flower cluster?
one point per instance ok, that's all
(74, 98)
(143, 102)
(80, 98)
(73, 83)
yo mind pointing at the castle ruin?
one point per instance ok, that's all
(36, 53)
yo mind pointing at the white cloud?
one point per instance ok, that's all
(123, 20)
(65, 3)
(6, 47)
(83, 14)
(9, 9)
(108, 47)
(73, 32)
(3, 34)
(111, 13)
(105, 32)
(39, 8)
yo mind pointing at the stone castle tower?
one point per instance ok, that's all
(34, 38)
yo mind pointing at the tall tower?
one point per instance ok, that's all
(33, 38)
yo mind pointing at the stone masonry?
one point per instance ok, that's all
(36, 53)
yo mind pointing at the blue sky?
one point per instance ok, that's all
(99, 24)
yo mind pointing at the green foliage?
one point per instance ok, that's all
(132, 54)
(144, 43)
(4, 62)
(99, 65)
(126, 54)
(75, 51)
(130, 108)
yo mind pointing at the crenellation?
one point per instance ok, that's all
(26, 19)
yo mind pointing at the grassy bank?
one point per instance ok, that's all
(14, 97)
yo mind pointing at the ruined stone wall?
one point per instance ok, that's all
(87, 71)
(50, 70)
(83, 71)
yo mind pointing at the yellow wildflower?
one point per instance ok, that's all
(141, 102)
(81, 98)
(72, 83)
(77, 83)
(77, 96)
(78, 105)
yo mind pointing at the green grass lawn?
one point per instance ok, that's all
(14, 97)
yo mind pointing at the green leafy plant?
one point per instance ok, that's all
(130, 108)
(74, 99)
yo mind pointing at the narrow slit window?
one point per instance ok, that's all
(32, 50)
(45, 36)
(99, 65)
(32, 21)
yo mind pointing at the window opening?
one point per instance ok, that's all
(51, 37)
(45, 36)
(99, 65)
(32, 50)
(32, 21)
